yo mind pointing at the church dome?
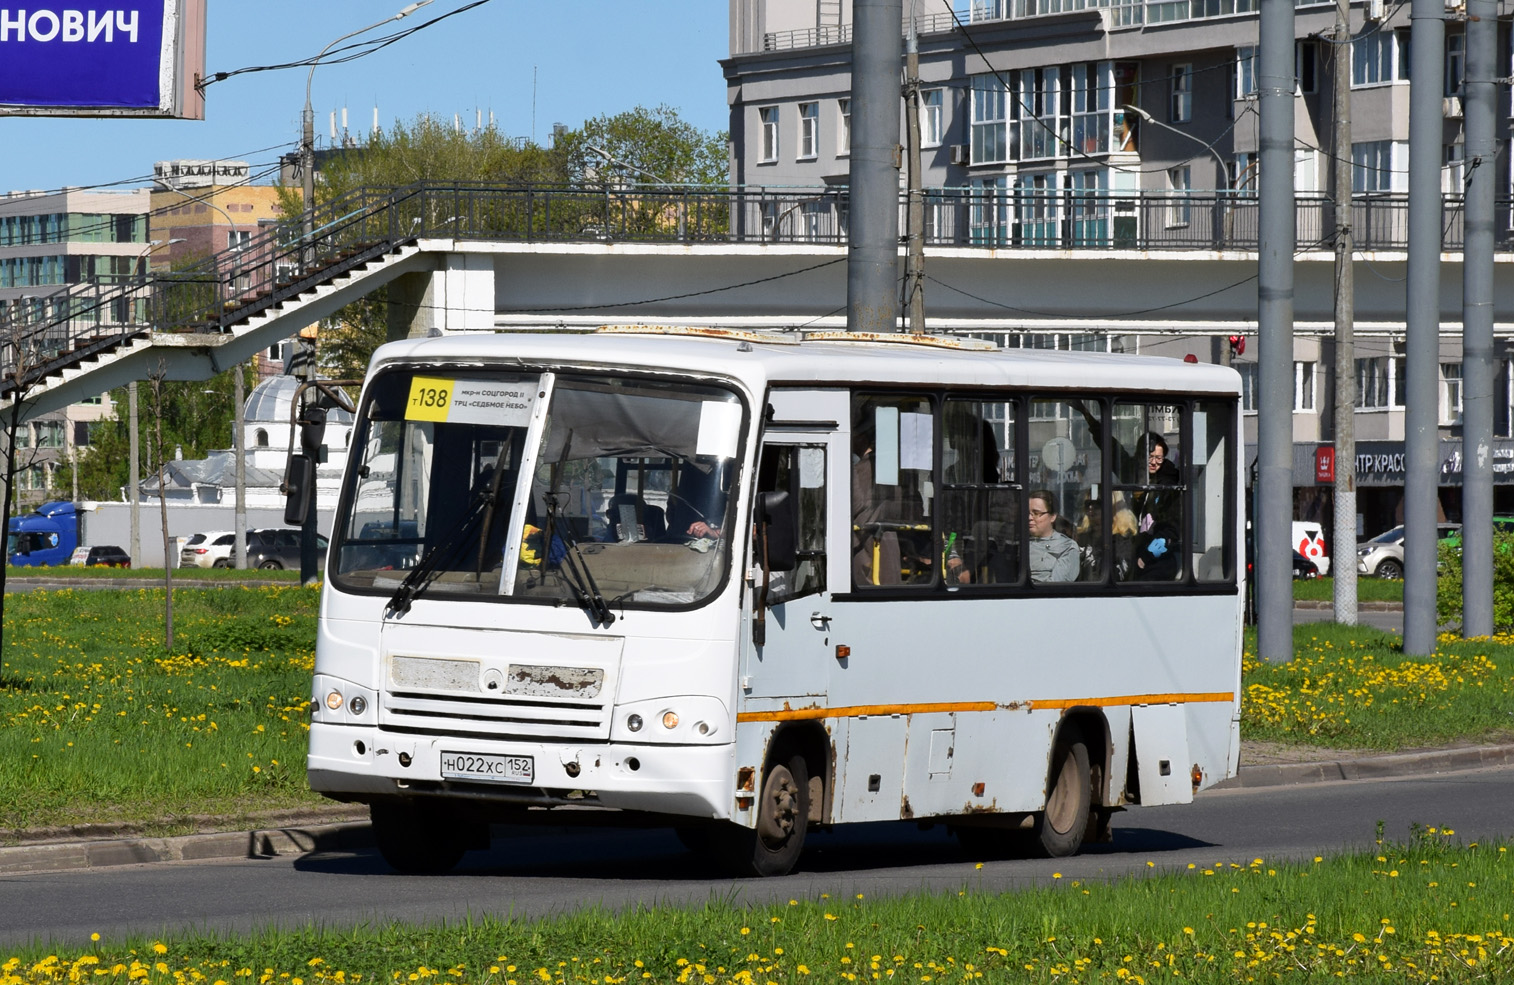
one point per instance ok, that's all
(270, 402)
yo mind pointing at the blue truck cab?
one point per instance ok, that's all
(47, 536)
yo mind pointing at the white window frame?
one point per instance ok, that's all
(1372, 166)
(1456, 63)
(1303, 386)
(989, 126)
(1305, 67)
(809, 131)
(1179, 187)
(1453, 170)
(767, 117)
(1037, 109)
(932, 108)
(1450, 393)
(1250, 377)
(844, 129)
(1180, 108)
(1372, 383)
(1376, 59)
(1245, 71)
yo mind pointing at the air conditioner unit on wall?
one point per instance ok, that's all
(1374, 11)
(1451, 107)
(961, 155)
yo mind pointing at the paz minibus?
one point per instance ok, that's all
(746, 585)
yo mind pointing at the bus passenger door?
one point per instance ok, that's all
(793, 659)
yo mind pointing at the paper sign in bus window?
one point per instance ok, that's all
(719, 428)
(886, 446)
(915, 441)
(505, 403)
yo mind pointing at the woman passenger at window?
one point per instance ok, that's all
(1053, 555)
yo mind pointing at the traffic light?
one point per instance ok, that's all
(1237, 345)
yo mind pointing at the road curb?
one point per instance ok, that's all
(80, 853)
(1371, 767)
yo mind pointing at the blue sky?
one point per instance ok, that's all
(587, 58)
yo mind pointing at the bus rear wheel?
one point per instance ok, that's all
(1059, 828)
(415, 841)
(783, 809)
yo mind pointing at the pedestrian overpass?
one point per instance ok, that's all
(480, 258)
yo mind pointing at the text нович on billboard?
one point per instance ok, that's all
(127, 58)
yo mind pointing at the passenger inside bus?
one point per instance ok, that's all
(1053, 555)
(631, 519)
(1158, 509)
(696, 506)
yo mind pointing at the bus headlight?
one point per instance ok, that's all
(357, 705)
(334, 701)
(694, 719)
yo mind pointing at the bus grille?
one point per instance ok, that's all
(467, 715)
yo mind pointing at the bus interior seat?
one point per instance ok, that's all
(628, 508)
(1210, 565)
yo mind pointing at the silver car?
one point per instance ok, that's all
(1383, 555)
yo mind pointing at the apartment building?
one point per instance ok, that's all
(1109, 128)
(48, 241)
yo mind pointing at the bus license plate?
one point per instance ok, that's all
(487, 766)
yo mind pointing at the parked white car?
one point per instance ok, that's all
(211, 549)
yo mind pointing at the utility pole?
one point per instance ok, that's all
(914, 268)
(1274, 450)
(1477, 374)
(872, 268)
(1421, 433)
(1344, 565)
(239, 448)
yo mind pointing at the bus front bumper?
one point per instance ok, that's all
(365, 764)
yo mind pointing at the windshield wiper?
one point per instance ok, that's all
(427, 568)
(575, 568)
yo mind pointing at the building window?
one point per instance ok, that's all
(1179, 184)
(1450, 393)
(239, 239)
(1456, 63)
(931, 129)
(1303, 386)
(844, 131)
(1375, 59)
(1038, 108)
(1249, 374)
(988, 217)
(1372, 383)
(1243, 173)
(1372, 166)
(989, 130)
(769, 117)
(1305, 71)
(1453, 171)
(1038, 213)
(1089, 203)
(260, 438)
(1181, 110)
(809, 131)
(1245, 71)
(49, 434)
(1092, 123)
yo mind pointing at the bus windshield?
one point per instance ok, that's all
(619, 495)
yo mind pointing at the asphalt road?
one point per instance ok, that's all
(553, 872)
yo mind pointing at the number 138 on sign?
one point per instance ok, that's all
(430, 399)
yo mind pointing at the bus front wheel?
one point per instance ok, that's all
(415, 841)
(783, 809)
(1059, 828)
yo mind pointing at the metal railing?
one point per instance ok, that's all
(40, 336)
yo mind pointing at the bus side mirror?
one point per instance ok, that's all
(779, 524)
(299, 481)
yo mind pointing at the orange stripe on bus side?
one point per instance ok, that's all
(857, 711)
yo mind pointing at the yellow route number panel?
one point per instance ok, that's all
(430, 399)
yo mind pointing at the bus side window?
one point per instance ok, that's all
(893, 459)
(980, 536)
(1211, 468)
(1149, 486)
(799, 470)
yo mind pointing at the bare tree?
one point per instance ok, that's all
(155, 388)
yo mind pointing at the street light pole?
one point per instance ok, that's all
(615, 162)
(1220, 174)
(307, 134)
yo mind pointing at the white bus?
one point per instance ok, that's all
(748, 585)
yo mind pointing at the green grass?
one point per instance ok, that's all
(71, 571)
(1367, 590)
(1353, 687)
(1430, 909)
(97, 723)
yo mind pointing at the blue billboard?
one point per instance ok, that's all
(125, 58)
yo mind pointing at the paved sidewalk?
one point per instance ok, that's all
(345, 827)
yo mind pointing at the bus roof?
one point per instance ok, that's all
(760, 360)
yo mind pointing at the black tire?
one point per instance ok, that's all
(415, 841)
(1060, 827)
(1390, 569)
(783, 809)
(271, 565)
